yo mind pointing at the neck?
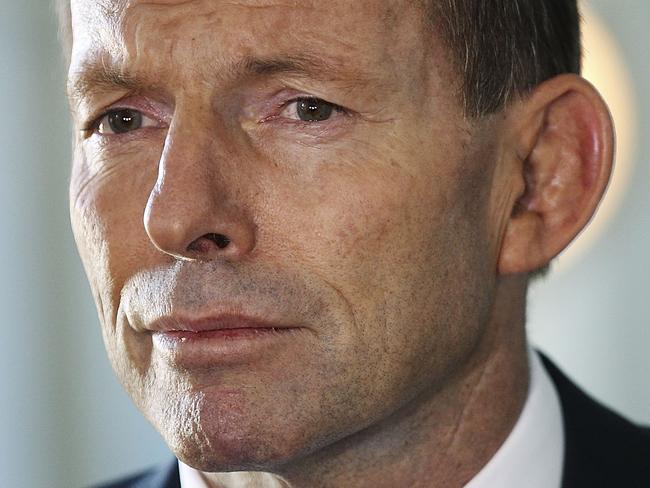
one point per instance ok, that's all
(445, 436)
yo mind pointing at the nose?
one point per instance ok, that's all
(191, 212)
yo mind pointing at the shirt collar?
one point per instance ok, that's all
(533, 453)
(191, 478)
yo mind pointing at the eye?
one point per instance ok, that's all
(120, 121)
(310, 110)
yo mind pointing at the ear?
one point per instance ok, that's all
(562, 136)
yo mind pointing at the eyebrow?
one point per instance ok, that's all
(304, 64)
(99, 77)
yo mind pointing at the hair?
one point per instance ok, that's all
(504, 48)
(500, 48)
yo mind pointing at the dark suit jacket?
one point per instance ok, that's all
(603, 450)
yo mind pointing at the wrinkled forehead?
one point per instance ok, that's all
(115, 9)
(96, 25)
(124, 28)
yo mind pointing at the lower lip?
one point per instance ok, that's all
(214, 347)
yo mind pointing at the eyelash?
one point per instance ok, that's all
(93, 124)
(336, 108)
(302, 124)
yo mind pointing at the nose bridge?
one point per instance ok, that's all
(190, 162)
(194, 210)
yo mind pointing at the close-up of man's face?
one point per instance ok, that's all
(290, 227)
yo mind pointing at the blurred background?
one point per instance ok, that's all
(65, 421)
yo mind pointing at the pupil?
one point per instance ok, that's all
(125, 120)
(314, 110)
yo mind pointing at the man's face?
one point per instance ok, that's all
(361, 229)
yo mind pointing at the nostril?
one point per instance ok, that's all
(220, 240)
(202, 244)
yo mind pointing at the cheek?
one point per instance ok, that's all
(365, 231)
(107, 202)
(403, 251)
(106, 205)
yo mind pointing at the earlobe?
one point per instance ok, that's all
(563, 137)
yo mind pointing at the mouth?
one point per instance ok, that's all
(231, 333)
(218, 340)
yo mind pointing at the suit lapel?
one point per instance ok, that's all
(166, 477)
(602, 449)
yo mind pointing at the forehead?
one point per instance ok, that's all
(114, 12)
(364, 31)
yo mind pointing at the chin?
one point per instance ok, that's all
(227, 454)
(228, 458)
(223, 436)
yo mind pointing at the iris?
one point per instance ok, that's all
(314, 110)
(124, 120)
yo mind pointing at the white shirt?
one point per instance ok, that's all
(531, 457)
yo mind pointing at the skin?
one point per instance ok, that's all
(396, 235)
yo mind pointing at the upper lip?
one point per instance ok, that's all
(176, 323)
